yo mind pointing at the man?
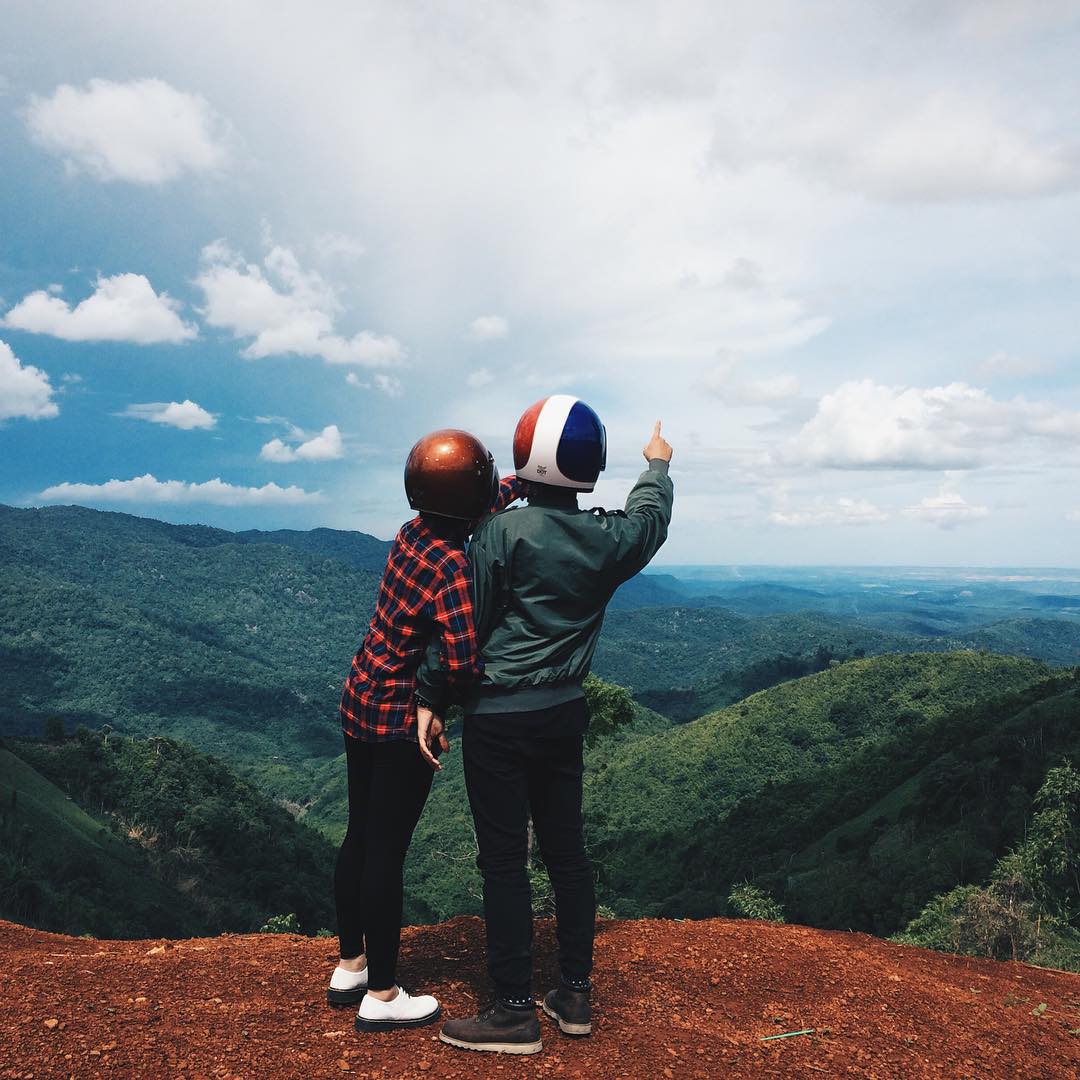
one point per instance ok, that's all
(542, 578)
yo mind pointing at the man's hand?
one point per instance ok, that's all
(657, 446)
(431, 737)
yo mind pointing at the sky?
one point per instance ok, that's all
(250, 252)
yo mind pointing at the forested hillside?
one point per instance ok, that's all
(128, 837)
(849, 771)
(863, 843)
(236, 646)
(678, 816)
(238, 642)
(656, 797)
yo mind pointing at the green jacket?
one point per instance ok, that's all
(542, 578)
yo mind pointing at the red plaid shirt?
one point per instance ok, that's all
(425, 594)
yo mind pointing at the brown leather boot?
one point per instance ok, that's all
(570, 1009)
(498, 1028)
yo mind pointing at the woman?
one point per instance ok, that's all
(424, 600)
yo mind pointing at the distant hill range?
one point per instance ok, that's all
(239, 641)
(236, 642)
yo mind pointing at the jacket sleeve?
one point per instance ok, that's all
(489, 571)
(641, 527)
(452, 659)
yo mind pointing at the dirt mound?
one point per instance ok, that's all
(673, 999)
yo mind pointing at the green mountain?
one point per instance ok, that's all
(685, 662)
(677, 816)
(1028, 909)
(652, 800)
(127, 837)
(65, 869)
(355, 549)
(237, 646)
(864, 843)
(822, 769)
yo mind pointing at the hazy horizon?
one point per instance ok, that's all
(659, 565)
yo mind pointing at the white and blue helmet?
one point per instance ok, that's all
(560, 441)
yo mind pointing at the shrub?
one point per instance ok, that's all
(747, 901)
(281, 924)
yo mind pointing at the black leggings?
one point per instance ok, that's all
(388, 786)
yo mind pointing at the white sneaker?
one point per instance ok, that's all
(402, 1011)
(347, 987)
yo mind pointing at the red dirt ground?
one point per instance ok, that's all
(672, 999)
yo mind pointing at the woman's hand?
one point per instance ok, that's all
(431, 737)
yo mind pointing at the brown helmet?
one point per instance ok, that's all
(451, 473)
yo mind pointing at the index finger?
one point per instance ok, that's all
(656, 430)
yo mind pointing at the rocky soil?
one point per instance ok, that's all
(672, 999)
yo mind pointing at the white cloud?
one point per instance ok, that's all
(947, 509)
(148, 489)
(121, 308)
(725, 382)
(25, 391)
(1073, 515)
(276, 450)
(480, 378)
(389, 385)
(284, 309)
(743, 274)
(185, 415)
(326, 446)
(842, 511)
(864, 425)
(487, 328)
(335, 245)
(1009, 366)
(888, 142)
(144, 131)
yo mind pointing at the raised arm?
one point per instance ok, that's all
(510, 490)
(642, 526)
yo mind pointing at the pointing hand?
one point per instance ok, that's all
(657, 446)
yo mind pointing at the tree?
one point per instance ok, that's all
(1055, 841)
(1030, 908)
(611, 707)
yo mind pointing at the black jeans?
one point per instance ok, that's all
(510, 770)
(388, 786)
